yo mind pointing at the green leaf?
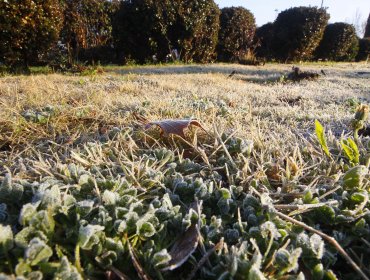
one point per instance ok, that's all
(329, 275)
(145, 229)
(6, 239)
(354, 177)
(351, 150)
(318, 272)
(37, 251)
(67, 271)
(320, 133)
(109, 198)
(225, 193)
(161, 258)
(87, 236)
(44, 221)
(22, 268)
(27, 213)
(317, 245)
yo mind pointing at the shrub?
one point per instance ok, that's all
(298, 32)
(27, 29)
(236, 36)
(87, 25)
(264, 36)
(367, 28)
(339, 43)
(364, 49)
(147, 28)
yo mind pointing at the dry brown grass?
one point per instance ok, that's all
(253, 103)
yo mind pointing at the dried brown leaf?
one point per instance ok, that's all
(183, 248)
(174, 126)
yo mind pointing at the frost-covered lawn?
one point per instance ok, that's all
(86, 191)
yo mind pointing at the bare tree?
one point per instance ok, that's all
(358, 22)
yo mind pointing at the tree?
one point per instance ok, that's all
(367, 28)
(298, 32)
(339, 43)
(27, 29)
(236, 36)
(264, 36)
(87, 25)
(364, 49)
(147, 28)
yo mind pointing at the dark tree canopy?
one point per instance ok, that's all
(27, 29)
(297, 32)
(364, 49)
(147, 28)
(340, 42)
(367, 28)
(87, 25)
(264, 36)
(236, 37)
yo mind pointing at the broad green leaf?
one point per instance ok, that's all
(354, 177)
(320, 133)
(351, 150)
(37, 251)
(145, 229)
(87, 236)
(27, 213)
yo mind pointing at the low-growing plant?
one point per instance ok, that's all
(151, 213)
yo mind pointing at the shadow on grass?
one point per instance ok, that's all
(254, 74)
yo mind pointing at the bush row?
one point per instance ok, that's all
(61, 32)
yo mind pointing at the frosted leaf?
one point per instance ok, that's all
(317, 245)
(269, 228)
(86, 236)
(6, 238)
(51, 197)
(37, 251)
(44, 221)
(161, 258)
(145, 229)
(293, 259)
(66, 271)
(84, 207)
(255, 274)
(27, 213)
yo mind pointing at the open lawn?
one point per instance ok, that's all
(87, 191)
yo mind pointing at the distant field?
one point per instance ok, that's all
(85, 135)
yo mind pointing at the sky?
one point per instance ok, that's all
(339, 10)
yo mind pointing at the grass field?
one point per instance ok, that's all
(88, 192)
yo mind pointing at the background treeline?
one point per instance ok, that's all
(61, 33)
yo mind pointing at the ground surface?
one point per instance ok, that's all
(48, 122)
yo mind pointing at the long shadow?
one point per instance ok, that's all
(196, 69)
(256, 74)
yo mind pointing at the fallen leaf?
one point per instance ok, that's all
(174, 126)
(183, 248)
